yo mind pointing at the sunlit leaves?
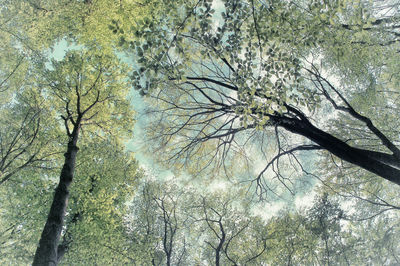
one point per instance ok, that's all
(92, 86)
(105, 179)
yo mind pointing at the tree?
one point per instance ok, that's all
(323, 221)
(94, 229)
(26, 136)
(23, 117)
(229, 233)
(158, 224)
(326, 234)
(106, 178)
(88, 92)
(270, 73)
(33, 139)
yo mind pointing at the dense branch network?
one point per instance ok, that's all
(220, 87)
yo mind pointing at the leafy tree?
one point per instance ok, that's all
(326, 234)
(88, 92)
(25, 132)
(228, 232)
(33, 139)
(106, 179)
(270, 72)
(158, 224)
(94, 231)
(31, 123)
(323, 220)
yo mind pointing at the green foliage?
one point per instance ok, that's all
(105, 180)
(23, 209)
(91, 84)
(211, 68)
(222, 74)
(157, 225)
(46, 102)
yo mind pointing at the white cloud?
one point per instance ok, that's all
(268, 210)
(305, 200)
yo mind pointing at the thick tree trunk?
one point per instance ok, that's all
(381, 164)
(46, 253)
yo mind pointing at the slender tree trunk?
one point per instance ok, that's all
(46, 253)
(219, 247)
(382, 165)
(168, 259)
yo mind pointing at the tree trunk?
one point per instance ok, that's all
(220, 244)
(46, 253)
(378, 163)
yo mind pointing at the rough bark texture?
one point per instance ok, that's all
(381, 164)
(46, 253)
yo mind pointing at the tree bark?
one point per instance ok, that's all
(375, 162)
(220, 244)
(46, 253)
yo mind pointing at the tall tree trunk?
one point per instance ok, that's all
(46, 253)
(381, 164)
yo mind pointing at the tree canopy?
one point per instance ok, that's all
(277, 121)
(271, 73)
